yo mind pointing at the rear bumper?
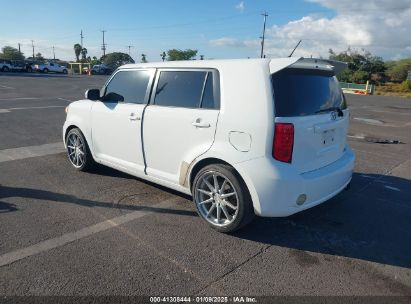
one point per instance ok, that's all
(275, 187)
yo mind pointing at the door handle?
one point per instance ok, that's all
(198, 124)
(133, 117)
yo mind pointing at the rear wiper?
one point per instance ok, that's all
(339, 111)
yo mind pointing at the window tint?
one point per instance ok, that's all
(300, 92)
(209, 101)
(132, 85)
(180, 88)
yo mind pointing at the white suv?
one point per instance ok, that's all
(244, 137)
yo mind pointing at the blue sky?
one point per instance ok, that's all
(218, 29)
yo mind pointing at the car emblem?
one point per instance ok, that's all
(333, 115)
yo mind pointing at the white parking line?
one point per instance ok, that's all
(19, 98)
(6, 87)
(31, 151)
(64, 99)
(29, 108)
(70, 237)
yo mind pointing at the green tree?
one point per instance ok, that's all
(39, 57)
(175, 54)
(361, 65)
(83, 54)
(95, 61)
(11, 53)
(397, 71)
(77, 51)
(117, 59)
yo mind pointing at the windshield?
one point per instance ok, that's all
(300, 92)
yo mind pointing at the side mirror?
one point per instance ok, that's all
(112, 97)
(92, 94)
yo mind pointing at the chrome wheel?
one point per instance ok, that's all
(76, 150)
(216, 199)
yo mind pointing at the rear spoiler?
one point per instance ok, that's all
(307, 63)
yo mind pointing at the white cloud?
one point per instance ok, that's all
(240, 6)
(232, 42)
(380, 26)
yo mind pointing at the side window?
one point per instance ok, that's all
(180, 88)
(131, 85)
(209, 100)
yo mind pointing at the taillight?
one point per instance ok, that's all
(283, 142)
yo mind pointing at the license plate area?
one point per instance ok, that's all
(328, 137)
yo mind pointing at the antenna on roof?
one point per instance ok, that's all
(295, 48)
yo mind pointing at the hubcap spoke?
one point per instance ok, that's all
(225, 195)
(223, 186)
(216, 187)
(227, 215)
(230, 205)
(205, 192)
(210, 200)
(208, 184)
(211, 210)
(218, 213)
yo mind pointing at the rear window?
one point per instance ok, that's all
(299, 92)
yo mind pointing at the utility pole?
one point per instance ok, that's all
(129, 49)
(81, 37)
(32, 45)
(103, 47)
(265, 15)
(19, 49)
(54, 54)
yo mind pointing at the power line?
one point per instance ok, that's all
(129, 49)
(265, 15)
(81, 37)
(103, 47)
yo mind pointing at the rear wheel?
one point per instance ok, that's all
(45, 70)
(78, 151)
(5, 69)
(64, 71)
(222, 198)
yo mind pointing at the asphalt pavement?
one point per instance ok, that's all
(65, 232)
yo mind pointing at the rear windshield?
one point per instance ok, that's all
(299, 92)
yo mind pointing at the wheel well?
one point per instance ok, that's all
(69, 129)
(205, 162)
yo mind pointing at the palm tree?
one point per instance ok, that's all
(84, 54)
(77, 51)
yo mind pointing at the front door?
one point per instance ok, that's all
(180, 122)
(116, 125)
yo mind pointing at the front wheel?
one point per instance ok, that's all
(222, 198)
(46, 71)
(78, 151)
(64, 71)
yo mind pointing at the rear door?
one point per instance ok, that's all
(180, 122)
(311, 99)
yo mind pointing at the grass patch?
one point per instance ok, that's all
(394, 89)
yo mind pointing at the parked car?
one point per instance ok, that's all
(18, 66)
(243, 137)
(101, 69)
(5, 65)
(50, 67)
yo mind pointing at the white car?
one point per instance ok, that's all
(50, 67)
(243, 137)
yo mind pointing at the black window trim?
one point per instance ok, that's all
(148, 89)
(216, 86)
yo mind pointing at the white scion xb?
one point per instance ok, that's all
(243, 137)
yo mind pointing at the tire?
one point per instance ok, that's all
(64, 71)
(78, 152)
(234, 201)
(45, 70)
(29, 70)
(5, 69)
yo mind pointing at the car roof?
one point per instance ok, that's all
(195, 63)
